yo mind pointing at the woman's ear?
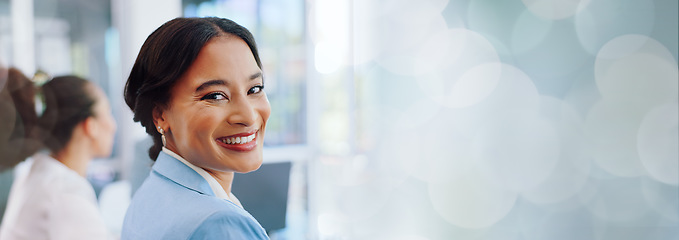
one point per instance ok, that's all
(90, 127)
(159, 119)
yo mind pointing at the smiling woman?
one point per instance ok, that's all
(216, 107)
(197, 88)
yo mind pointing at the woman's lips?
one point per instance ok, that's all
(241, 142)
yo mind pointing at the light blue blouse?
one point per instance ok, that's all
(175, 202)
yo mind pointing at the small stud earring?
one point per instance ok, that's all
(162, 135)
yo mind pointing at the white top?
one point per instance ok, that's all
(51, 201)
(214, 185)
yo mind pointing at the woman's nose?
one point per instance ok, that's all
(241, 112)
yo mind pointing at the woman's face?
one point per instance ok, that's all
(218, 110)
(104, 123)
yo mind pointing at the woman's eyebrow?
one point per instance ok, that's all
(256, 75)
(222, 82)
(211, 83)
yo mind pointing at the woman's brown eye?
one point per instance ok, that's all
(214, 96)
(255, 89)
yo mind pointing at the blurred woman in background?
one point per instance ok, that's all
(197, 88)
(53, 199)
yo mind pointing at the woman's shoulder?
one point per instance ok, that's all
(229, 225)
(162, 206)
(49, 178)
(189, 214)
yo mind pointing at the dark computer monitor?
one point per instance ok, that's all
(264, 193)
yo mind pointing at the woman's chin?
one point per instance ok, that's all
(252, 166)
(242, 165)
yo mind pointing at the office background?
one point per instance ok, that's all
(418, 120)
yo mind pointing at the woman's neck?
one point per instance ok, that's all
(225, 179)
(74, 158)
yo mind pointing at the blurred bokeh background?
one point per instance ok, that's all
(418, 120)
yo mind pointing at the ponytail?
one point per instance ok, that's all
(18, 118)
(67, 102)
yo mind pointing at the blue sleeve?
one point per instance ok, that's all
(222, 225)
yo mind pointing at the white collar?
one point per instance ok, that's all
(214, 185)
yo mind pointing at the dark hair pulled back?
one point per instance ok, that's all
(67, 102)
(164, 57)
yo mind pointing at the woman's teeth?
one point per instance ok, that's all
(238, 140)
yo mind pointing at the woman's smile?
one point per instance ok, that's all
(242, 142)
